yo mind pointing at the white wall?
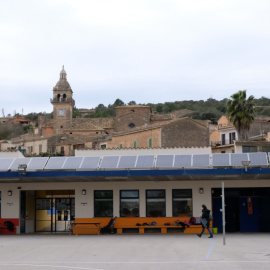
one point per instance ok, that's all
(155, 151)
(84, 206)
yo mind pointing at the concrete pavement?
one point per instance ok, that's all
(159, 252)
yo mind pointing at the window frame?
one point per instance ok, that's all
(174, 197)
(146, 199)
(120, 201)
(103, 190)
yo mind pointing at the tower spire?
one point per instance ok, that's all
(63, 74)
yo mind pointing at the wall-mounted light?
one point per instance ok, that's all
(201, 191)
(246, 164)
(22, 168)
(83, 192)
(10, 193)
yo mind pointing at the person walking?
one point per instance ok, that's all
(205, 221)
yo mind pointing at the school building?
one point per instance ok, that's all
(41, 194)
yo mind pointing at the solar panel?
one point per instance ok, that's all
(236, 159)
(201, 160)
(127, 161)
(37, 163)
(109, 162)
(18, 161)
(259, 159)
(181, 161)
(221, 159)
(146, 161)
(90, 163)
(5, 163)
(72, 163)
(164, 160)
(55, 163)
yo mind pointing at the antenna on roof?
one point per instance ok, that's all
(3, 112)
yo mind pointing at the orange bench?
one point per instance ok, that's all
(128, 225)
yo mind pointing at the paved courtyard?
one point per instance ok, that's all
(159, 252)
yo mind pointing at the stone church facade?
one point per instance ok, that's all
(134, 126)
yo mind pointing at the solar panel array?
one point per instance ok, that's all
(127, 162)
(17, 162)
(37, 163)
(146, 161)
(90, 163)
(182, 161)
(5, 163)
(165, 160)
(135, 162)
(221, 159)
(201, 160)
(259, 159)
(72, 163)
(55, 163)
(236, 159)
(109, 162)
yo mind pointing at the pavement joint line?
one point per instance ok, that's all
(48, 265)
(156, 262)
(209, 252)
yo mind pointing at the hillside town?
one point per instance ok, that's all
(133, 127)
(73, 175)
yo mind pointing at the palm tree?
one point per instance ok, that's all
(240, 112)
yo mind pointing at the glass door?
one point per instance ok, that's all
(65, 213)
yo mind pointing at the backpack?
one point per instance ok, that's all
(192, 221)
(198, 221)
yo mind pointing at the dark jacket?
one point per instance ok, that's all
(205, 214)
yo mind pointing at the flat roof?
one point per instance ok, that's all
(136, 175)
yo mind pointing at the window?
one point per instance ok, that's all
(131, 125)
(135, 144)
(129, 203)
(62, 150)
(182, 202)
(40, 148)
(103, 146)
(121, 146)
(103, 203)
(249, 149)
(223, 139)
(265, 148)
(232, 137)
(150, 142)
(155, 203)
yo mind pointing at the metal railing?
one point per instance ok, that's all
(56, 100)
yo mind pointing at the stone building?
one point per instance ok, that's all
(133, 126)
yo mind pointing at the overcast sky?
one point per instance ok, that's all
(146, 51)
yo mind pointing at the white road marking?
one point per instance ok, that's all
(48, 265)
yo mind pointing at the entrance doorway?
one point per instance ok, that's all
(246, 209)
(54, 210)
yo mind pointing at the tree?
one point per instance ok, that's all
(240, 111)
(118, 102)
(75, 112)
(132, 102)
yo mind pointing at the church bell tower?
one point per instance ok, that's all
(63, 104)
